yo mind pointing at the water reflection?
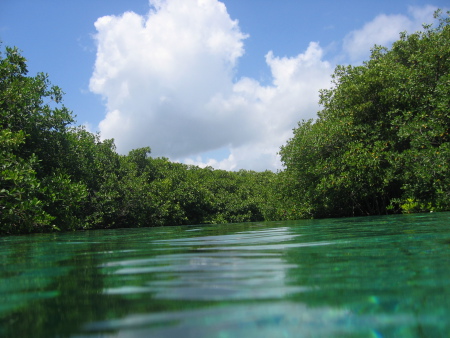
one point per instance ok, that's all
(212, 277)
(282, 319)
(375, 276)
(217, 268)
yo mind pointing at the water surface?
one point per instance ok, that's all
(357, 277)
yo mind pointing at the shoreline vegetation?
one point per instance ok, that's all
(380, 145)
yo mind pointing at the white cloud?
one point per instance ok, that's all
(271, 111)
(167, 81)
(384, 30)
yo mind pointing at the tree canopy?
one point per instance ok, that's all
(56, 176)
(380, 145)
(381, 142)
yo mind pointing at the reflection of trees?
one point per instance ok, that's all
(76, 293)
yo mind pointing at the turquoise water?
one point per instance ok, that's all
(383, 276)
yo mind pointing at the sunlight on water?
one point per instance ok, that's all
(370, 277)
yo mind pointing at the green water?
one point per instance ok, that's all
(358, 277)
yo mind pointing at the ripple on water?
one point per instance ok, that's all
(281, 319)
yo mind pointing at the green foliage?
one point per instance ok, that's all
(21, 210)
(38, 193)
(380, 144)
(58, 177)
(381, 141)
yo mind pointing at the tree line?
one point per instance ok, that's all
(379, 145)
(381, 142)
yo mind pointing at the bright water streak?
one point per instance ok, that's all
(369, 277)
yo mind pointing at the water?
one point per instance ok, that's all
(356, 277)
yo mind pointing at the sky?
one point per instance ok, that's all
(202, 82)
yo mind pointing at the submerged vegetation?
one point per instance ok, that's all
(380, 145)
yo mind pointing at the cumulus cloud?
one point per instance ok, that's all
(384, 30)
(156, 73)
(168, 82)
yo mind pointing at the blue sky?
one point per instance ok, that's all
(200, 81)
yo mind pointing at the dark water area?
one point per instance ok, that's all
(385, 276)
